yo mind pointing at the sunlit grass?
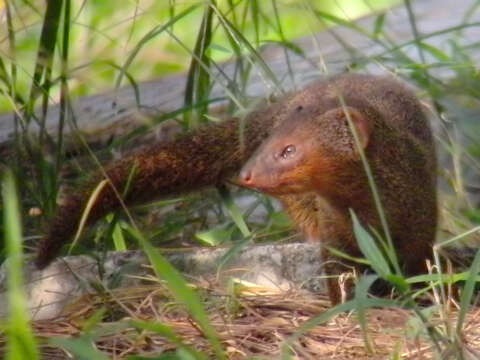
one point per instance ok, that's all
(102, 35)
(21, 343)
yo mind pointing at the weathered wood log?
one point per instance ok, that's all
(324, 53)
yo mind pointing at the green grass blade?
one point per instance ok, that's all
(118, 238)
(232, 252)
(310, 324)
(329, 314)
(370, 249)
(43, 66)
(379, 24)
(340, 254)
(413, 25)
(167, 332)
(64, 102)
(422, 38)
(240, 39)
(234, 211)
(467, 293)
(361, 296)
(182, 292)
(339, 21)
(198, 79)
(157, 30)
(254, 11)
(82, 348)
(216, 236)
(12, 84)
(435, 51)
(21, 343)
(390, 249)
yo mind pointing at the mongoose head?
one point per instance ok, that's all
(309, 153)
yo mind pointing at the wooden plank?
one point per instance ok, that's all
(325, 54)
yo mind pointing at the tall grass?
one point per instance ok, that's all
(21, 343)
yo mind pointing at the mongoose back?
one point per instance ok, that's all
(301, 150)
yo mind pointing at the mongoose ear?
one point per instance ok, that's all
(359, 121)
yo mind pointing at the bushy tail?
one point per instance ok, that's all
(203, 158)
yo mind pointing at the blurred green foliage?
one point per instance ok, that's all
(104, 33)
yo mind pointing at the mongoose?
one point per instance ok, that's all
(312, 164)
(301, 150)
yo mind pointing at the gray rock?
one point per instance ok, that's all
(49, 291)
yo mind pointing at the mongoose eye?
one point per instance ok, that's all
(288, 151)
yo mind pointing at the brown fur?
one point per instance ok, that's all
(326, 178)
(317, 194)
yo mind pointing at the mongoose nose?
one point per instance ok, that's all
(245, 177)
